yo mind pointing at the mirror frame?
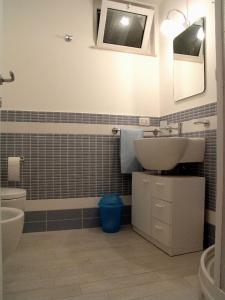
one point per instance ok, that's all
(183, 57)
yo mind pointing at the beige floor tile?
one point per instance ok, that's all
(58, 293)
(90, 297)
(136, 292)
(116, 283)
(23, 296)
(27, 285)
(78, 279)
(165, 262)
(193, 280)
(184, 294)
(30, 295)
(10, 277)
(103, 266)
(179, 272)
(55, 293)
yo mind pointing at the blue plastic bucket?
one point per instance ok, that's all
(110, 213)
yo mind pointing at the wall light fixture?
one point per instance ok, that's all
(171, 28)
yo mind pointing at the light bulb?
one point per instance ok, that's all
(124, 21)
(200, 34)
(171, 28)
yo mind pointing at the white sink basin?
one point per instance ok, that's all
(164, 153)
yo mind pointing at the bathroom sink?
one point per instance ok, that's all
(164, 153)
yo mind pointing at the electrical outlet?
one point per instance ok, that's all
(144, 121)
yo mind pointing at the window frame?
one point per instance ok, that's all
(126, 7)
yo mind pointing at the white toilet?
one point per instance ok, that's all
(13, 197)
(12, 218)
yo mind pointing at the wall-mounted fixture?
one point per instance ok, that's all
(68, 38)
(169, 128)
(205, 123)
(155, 131)
(170, 27)
(5, 80)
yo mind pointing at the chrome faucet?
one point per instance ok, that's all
(170, 129)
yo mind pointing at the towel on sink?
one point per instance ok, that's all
(128, 160)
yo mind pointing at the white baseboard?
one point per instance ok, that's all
(70, 203)
(91, 202)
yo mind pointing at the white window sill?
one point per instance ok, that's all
(124, 51)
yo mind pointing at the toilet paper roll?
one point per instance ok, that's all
(13, 168)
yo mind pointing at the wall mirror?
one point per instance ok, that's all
(189, 61)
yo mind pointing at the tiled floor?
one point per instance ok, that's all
(90, 265)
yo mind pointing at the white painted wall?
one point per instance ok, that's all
(52, 75)
(197, 9)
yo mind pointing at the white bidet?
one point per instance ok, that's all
(12, 220)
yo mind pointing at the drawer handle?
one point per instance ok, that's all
(159, 206)
(160, 184)
(158, 227)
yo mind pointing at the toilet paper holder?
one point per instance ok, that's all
(22, 159)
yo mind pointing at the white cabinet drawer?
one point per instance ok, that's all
(161, 232)
(141, 202)
(162, 188)
(162, 210)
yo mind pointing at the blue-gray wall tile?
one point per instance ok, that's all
(52, 171)
(66, 214)
(34, 227)
(64, 224)
(126, 210)
(125, 220)
(91, 213)
(34, 216)
(209, 235)
(91, 222)
(62, 117)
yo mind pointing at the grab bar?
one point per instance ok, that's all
(154, 131)
(206, 123)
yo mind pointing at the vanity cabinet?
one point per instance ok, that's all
(169, 211)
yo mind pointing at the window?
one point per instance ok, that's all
(124, 27)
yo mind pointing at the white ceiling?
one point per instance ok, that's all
(152, 1)
(155, 2)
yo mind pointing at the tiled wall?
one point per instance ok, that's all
(192, 113)
(206, 169)
(209, 235)
(65, 166)
(52, 220)
(59, 166)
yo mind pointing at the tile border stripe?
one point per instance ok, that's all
(93, 118)
(68, 117)
(202, 111)
(66, 219)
